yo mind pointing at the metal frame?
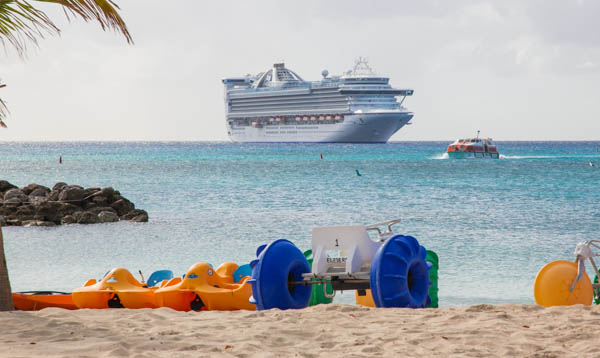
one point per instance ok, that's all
(341, 281)
(584, 251)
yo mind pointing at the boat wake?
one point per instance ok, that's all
(527, 156)
(546, 156)
(440, 156)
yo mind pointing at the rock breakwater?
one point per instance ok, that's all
(37, 205)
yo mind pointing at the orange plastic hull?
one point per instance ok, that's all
(118, 282)
(33, 302)
(204, 288)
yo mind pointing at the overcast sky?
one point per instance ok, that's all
(516, 70)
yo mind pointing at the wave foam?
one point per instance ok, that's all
(440, 156)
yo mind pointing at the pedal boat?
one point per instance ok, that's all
(204, 288)
(118, 289)
(37, 300)
(473, 148)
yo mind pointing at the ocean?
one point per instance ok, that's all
(493, 223)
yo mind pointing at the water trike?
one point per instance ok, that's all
(37, 300)
(347, 258)
(432, 300)
(117, 289)
(564, 283)
(204, 288)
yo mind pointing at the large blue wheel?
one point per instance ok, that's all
(279, 264)
(399, 274)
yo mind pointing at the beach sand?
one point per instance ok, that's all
(321, 331)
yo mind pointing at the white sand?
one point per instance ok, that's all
(326, 330)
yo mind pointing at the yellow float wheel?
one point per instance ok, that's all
(552, 283)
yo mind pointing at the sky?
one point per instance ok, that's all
(516, 70)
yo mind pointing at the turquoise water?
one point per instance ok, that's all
(493, 223)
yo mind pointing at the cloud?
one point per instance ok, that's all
(464, 59)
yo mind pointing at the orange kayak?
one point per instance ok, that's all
(37, 300)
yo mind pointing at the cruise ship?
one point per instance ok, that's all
(279, 106)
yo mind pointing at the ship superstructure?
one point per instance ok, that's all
(279, 106)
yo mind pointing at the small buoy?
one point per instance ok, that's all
(591, 164)
(358, 173)
(321, 155)
(60, 159)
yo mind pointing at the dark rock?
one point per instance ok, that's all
(99, 209)
(136, 215)
(13, 222)
(39, 191)
(6, 186)
(54, 211)
(88, 206)
(37, 200)
(116, 198)
(38, 223)
(100, 200)
(8, 210)
(68, 219)
(77, 215)
(87, 217)
(29, 188)
(122, 206)
(72, 194)
(53, 196)
(2, 220)
(37, 205)
(25, 212)
(59, 186)
(142, 218)
(50, 211)
(89, 192)
(12, 202)
(15, 193)
(68, 209)
(108, 192)
(108, 217)
(32, 187)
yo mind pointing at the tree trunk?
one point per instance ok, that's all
(6, 303)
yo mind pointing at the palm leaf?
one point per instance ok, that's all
(21, 23)
(3, 110)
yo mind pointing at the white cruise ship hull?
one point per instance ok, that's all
(355, 128)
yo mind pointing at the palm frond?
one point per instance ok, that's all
(3, 113)
(21, 23)
(3, 110)
(103, 11)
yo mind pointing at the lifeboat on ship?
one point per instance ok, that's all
(204, 288)
(473, 148)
